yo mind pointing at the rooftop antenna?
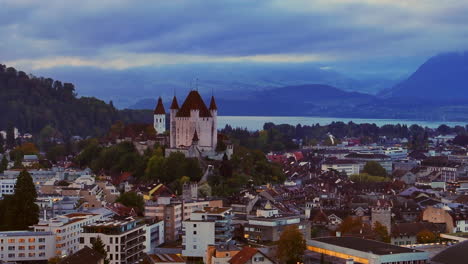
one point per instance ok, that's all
(196, 84)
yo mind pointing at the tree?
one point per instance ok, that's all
(2, 143)
(374, 168)
(426, 236)
(26, 212)
(381, 232)
(99, 247)
(3, 164)
(291, 245)
(155, 167)
(10, 137)
(132, 199)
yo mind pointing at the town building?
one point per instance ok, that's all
(210, 226)
(84, 255)
(26, 246)
(154, 234)
(67, 229)
(269, 229)
(7, 186)
(366, 251)
(351, 167)
(124, 240)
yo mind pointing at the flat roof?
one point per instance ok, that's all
(365, 245)
(24, 233)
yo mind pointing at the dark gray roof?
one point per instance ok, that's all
(84, 255)
(453, 255)
(365, 245)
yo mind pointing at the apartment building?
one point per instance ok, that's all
(7, 186)
(171, 213)
(124, 239)
(67, 229)
(210, 226)
(23, 246)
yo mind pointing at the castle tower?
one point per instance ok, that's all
(382, 213)
(159, 117)
(173, 127)
(214, 127)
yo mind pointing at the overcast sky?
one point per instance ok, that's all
(120, 34)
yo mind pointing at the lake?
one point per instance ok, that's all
(256, 122)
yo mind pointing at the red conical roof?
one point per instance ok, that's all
(174, 104)
(193, 102)
(159, 110)
(213, 104)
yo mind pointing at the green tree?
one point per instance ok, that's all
(56, 152)
(132, 199)
(291, 245)
(99, 247)
(374, 168)
(26, 211)
(381, 232)
(364, 177)
(155, 167)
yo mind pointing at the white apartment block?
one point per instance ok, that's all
(210, 226)
(67, 229)
(7, 186)
(22, 246)
(124, 239)
(154, 235)
(348, 166)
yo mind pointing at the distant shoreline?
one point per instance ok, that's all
(257, 122)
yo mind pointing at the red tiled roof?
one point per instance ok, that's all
(244, 255)
(193, 102)
(174, 104)
(159, 110)
(213, 104)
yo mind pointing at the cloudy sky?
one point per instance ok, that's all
(353, 35)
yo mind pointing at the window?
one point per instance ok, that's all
(21, 248)
(11, 248)
(32, 240)
(41, 239)
(41, 247)
(194, 246)
(31, 247)
(194, 225)
(11, 255)
(110, 239)
(11, 240)
(32, 254)
(194, 232)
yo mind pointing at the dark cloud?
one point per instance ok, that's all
(345, 30)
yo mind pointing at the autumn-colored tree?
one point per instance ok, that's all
(426, 236)
(291, 245)
(349, 224)
(381, 232)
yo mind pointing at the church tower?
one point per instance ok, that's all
(382, 213)
(173, 127)
(159, 117)
(214, 126)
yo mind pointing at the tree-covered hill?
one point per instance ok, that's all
(30, 103)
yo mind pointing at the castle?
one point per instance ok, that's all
(192, 126)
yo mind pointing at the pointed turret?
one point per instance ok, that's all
(174, 104)
(159, 110)
(213, 104)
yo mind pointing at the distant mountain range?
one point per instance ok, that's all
(438, 90)
(442, 77)
(227, 80)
